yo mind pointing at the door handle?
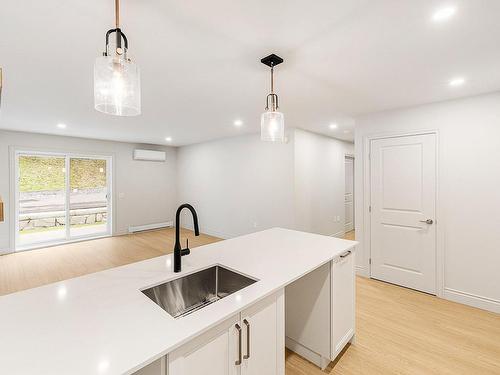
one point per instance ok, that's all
(238, 362)
(428, 221)
(245, 322)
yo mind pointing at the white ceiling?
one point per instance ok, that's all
(200, 64)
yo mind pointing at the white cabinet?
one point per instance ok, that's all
(250, 343)
(343, 302)
(155, 368)
(264, 337)
(320, 311)
(213, 352)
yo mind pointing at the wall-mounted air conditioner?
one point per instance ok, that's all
(150, 155)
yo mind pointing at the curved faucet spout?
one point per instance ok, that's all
(178, 251)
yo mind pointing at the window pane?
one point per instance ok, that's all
(88, 202)
(42, 197)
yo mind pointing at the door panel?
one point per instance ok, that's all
(89, 191)
(41, 200)
(349, 194)
(403, 196)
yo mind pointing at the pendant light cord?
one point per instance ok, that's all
(272, 78)
(117, 13)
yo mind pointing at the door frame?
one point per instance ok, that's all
(15, 151)
(367, 140)
(353, 157)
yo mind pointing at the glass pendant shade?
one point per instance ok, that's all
(117, 86)
(272, 126)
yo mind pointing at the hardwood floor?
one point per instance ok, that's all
(350, 235)
(404, 332)
(399, 331)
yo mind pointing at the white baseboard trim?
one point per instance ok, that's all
(339, 234)
(221, 235)
(140, 228)
(210, 232)
(470, 299)
(306, 353)
(5, 251)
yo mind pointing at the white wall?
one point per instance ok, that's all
(240, 185)
(149, 188)
(468, 191)
(320, 183)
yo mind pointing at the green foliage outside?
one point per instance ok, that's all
(48, 173)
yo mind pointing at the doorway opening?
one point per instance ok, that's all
(61, 198)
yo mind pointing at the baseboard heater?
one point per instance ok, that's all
(140, 228)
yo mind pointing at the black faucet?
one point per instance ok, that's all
(178, 251)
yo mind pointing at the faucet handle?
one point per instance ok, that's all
(186, 251)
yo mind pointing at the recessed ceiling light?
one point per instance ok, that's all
(455, 82)
(61, 126)
(333, 126)
(238, 123)
(444, 14)
(168, 139)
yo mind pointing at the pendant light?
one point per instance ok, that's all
(117, 82)
(272, 122)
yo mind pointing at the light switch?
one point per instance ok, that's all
(121, 195)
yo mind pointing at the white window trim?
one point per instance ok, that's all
(14, 152)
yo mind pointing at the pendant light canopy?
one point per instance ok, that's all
(117, 82)
(272, 122)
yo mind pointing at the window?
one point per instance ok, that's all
(61, 197)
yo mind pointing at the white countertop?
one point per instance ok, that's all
(101, 323)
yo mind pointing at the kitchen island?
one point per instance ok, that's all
(103, 323)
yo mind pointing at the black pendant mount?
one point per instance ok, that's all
(271, 60)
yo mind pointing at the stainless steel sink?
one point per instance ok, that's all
(192, 292)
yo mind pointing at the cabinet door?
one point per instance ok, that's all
(213, 352)
(343, 297)
(263, 337)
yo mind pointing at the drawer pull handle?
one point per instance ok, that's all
(238, 362)
(245, 322)
(347, 253)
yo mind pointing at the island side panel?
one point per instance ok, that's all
(308, 315)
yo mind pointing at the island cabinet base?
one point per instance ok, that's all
(320, 311)
(158, 367)
(249, 343)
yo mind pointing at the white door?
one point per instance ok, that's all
(214, 352)
(403, 207)
(349, 194)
